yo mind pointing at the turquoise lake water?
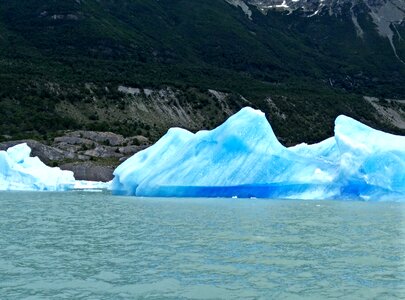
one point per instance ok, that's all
(80, 245)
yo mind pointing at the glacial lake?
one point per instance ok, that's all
(81, 245)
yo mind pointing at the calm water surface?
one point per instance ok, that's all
(79, 245)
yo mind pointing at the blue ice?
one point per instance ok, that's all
(243, 158)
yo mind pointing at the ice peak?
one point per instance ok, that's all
(19, 152)
(356, 135)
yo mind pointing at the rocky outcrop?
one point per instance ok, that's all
(95, 145)
(242, 5)
(106, 138)
(46, 153)
(392, 111)
(90, 171)
(91, 155)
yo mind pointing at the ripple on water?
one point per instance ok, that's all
(96, 246)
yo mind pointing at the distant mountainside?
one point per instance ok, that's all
(387, 15)
(138, 67)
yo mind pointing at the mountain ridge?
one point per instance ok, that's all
(386, 14)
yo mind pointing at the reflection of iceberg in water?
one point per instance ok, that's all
(243, 158)
(19, 171)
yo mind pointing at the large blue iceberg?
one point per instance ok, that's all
(19, 171)
(243, 158)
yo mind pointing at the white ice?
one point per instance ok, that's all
(19, 171)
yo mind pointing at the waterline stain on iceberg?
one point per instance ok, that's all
(243, 158)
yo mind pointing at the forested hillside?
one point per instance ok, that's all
(141, 66)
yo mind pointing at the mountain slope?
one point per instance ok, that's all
(387, 15)
(62, 63)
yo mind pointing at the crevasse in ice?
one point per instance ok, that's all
(243, 158)
(19, 171)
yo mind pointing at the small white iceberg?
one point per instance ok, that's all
(19, 171)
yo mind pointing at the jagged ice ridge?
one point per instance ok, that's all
(243, 158)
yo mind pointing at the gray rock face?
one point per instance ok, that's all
(386, 14)
(383, 12)
(90, 171)
(242, 5)
(108, 138)
(130, 150)
(71, 140)
(395, 7)
(393, 111)
(87, 144)
(104, 152)
(46, 153)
